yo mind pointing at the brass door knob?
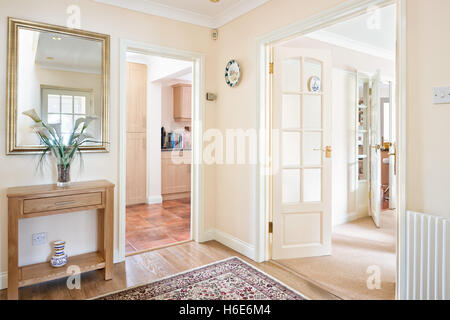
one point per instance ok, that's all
(328, 151)
(376, 147)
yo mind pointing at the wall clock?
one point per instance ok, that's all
(314, 84)
(232, 73)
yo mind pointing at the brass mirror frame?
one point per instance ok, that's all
(11, 92)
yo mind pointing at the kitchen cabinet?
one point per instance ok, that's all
(182, 102)
(136, 190)
(176, 174)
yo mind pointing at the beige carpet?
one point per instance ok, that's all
(356, 246)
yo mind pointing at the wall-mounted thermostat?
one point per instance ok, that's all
(441, 95)
(215, 34)
(211, 96)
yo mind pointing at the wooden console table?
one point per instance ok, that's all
(44, 200)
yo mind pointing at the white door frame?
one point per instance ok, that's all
(197, 175)
(328, 17)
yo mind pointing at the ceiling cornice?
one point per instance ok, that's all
(237, 10)
(154, 8)
(341, 41)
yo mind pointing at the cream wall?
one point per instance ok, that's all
(21, 170)
(428, 156)
(236, 107)
(428, 132)
(230, 190)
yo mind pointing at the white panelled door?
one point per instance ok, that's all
(302, 144)
(392, 152)
(375, 151)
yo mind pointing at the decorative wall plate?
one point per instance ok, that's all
(233, 73)
(314, 84)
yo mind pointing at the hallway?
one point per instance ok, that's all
(147, 267)
(356, 246)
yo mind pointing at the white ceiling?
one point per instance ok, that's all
(69, 53)
(199, 12)
(163, 69)
(372, 33)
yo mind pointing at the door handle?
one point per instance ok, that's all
(394, 154)
(376, 147)
(328, 151)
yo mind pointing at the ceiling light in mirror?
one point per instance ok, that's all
(60, 78)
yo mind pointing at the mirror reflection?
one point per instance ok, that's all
(60, 77)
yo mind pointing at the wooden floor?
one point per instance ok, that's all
(157, 225)
(147, 267)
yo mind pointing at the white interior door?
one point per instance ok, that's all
(392, 153)
(302, 172)
(375, 152)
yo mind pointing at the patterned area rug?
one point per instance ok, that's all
(231, 279)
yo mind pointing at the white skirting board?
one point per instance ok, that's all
(427, 254)
(349, 218)
(232, 242)
(154, 199)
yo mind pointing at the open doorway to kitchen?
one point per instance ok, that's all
(334, 190)
(159, 152)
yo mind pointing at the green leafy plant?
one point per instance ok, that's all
(51, 137)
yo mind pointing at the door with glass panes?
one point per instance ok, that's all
(302, 144)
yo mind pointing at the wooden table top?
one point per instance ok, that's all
(16, 192)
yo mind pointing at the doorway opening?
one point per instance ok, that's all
(159, 108)
(334, 190)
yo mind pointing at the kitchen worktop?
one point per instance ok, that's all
(180, 149)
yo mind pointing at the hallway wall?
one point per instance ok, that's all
(79, 229)
(428, 130)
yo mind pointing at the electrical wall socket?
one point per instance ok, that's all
(39, 238)
(441, 95)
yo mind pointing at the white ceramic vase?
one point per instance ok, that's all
(60, 257)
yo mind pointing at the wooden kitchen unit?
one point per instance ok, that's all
(45, 200)
(182, 102)
(176, 175)
(136, 182)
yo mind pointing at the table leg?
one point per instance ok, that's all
(109, 233)
(13, 249)
(101, 232)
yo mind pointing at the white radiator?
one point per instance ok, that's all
(427, 257)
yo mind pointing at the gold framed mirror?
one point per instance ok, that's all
(61, 73)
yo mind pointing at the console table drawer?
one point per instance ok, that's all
(62, 202)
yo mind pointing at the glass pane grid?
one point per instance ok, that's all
(291, 79)
(68, 114)
(305, 178)
(311, 68)
(312, 185)
(291, 185)
(291, 111)
(70, 108)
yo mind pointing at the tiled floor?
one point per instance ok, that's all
(157, 225)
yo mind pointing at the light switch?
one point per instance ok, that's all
(441, 95)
